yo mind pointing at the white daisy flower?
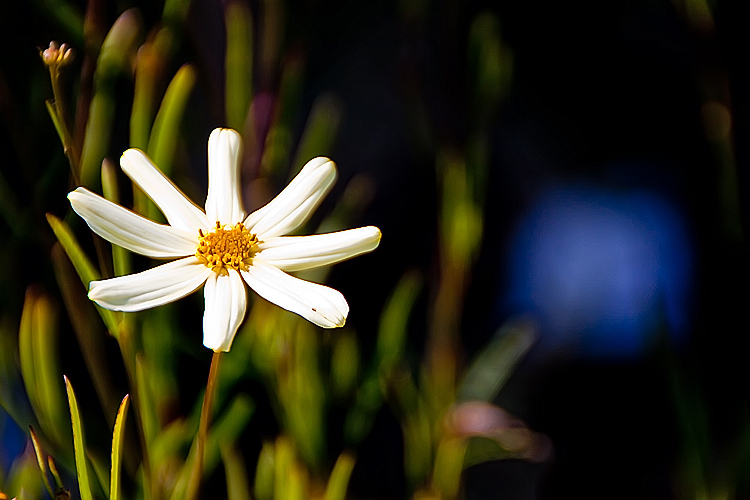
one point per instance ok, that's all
(223, 247)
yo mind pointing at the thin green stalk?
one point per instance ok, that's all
(205, 422)
(62, 111)
(55, 58)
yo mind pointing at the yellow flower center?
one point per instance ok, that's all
(224, 249)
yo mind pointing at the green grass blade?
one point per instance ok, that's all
(26, 349)
(55, 475)
(82, 470)
(96, 141)
(145, 399)
(236, 473)
(83, 267)
(116, 57)
(394, 322)
(152, 57)
(163, 141)
(392, 331)
(52, 110)
(175, 12)
(320, 130)
(40, 460)
(264, 470)
(492, 367)
(239, 63)
(110, 189)
(117, 441)
(51, 398)
(339, 479)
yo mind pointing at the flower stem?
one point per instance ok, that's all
(62, 112)
(205, 422)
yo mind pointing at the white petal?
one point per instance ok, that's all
(292, 207)
(226, 301)
(176, 207)
(129, 230)
(155, 287)
(318, 304)
(224, 200)
(295, 253)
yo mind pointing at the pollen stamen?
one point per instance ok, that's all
(223, 249)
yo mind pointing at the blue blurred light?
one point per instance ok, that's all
(602, 270)
(12, 441)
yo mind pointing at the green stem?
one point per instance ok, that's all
(205, 422)
(62, 113)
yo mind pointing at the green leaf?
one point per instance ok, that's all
(449, 463)
(394, 321)
(120, 256)
(461, 220)
(40, 460)
(88, 329)
(83, 266)
(115, 58)
(482, 449)
(55, 475)
(492, 367)
(392, 331)
(118, 50)
(78, 444)
(344, 363)
(151, 58)
(236, 473)
(37, 348)
(490, 65)
(24, 477)
(320, 131)
(117, 443)
(149, 420)
(47, 367)
(339, 479)
(163, 141)
(55, 119)
(175, 11)
(239, 63)
(96, 141)
(228, 428)
(302, 394)
(26, 349)
(278, 142)
(263, 487)
(284, 463)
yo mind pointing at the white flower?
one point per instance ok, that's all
(222, 246)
